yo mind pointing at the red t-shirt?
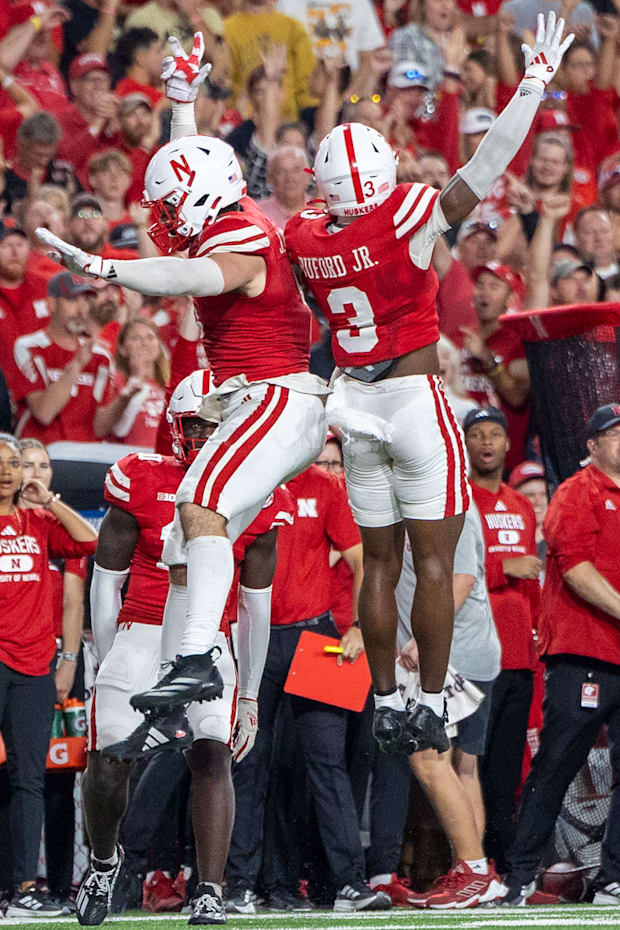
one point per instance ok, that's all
(378, 304)
(508, 346)
(131, 86)
(441, 134)
(10, 121)
(582, 524)
(238, 329)
(23, 309)
(45, 84)
(140, 420)
(58, 569)
(78, 142)
(454, 303)
(40, 362)
(323, 519)
(509, 526)
(28, 540)
(139, 159)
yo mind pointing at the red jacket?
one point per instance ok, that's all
(582, 525)
(509, 526)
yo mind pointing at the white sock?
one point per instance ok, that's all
(175, 614)
(210, 572)
(111, 862)
(481, 866)
(432, 700)
(383, 879)
(393, 700)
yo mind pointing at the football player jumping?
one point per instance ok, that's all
(141, 492)
(257, 336)
(367, 260)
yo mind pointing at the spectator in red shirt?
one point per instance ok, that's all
(89, 230)
(63, 382)
(23, 295)
(38, 138)
(141, 359)
(29, 538)
(38, 75)
(512, 567)
(579, 640)
(139, 131)
(139, 53)
(110, 177)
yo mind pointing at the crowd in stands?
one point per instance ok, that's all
(82, 111)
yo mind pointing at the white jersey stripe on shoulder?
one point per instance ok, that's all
(254, 246)
(419, 215)
(114, 491)
(120, 477)
(409, 201)
(233, 235)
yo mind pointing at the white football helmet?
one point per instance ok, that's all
(187, 183)
(355, 169)
(185, 403)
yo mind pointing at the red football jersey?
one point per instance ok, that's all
(265, 336)
(378, 303)
(145, 486)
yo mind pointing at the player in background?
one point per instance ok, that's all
(403, 449)
(257, 331)
(141, 492)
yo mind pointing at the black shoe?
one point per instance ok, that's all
(94, 897)
(512, 894)
(65, 902)
(32, 903)
(191, 678)
(241, 900)
(206, 906)
(164, 730)
(427, 730)
(283, 900)
(389, 728)
(361, 897)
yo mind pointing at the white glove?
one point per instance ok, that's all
(543, 61)
(182, 74)
(77, 261)
(246, 729)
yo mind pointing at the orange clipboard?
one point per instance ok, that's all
(316, 675)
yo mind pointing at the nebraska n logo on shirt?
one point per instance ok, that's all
(306, 507)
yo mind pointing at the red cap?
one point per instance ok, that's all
(548, 120)
(525, 472)
(85, 63)
(512, 279)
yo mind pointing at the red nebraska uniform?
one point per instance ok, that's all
(378, 303)
(265, 336)
(28, 540)
(323, 518)
(41, 362)
(509, 526)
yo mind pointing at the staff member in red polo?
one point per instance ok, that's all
(512, 567)
(28, 540)
(579, 640)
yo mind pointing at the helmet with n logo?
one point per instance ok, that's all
(183, 416)
(355, 169)
(187, 183)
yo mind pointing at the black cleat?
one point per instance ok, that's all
(94, 897)
(206, 906)
(156, 732)
(191, 678)
(427, 730)
(389, 728)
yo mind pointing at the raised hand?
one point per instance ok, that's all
(77, 261)
(543, 61)
(273, 57)
(182, 73)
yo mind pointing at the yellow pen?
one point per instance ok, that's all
(333, 650)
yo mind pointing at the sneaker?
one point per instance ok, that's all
(398, 890)
(389, 728)
(207, 906)
(191, 678)
(242, 901)
(165, 730)
(360, 897)
(608, 894)
(32, 903)
(160, 895)
(284, 900)
(427, 730)
(513, 894)
(463, 887)
(420, 898)
(95, 893)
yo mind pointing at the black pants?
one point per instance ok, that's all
(321, 732)
(59, 830)
(500, 767)
(26, 713)
(569, 732)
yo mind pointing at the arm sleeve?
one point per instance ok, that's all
(167, 276)
(253, 624)
(105, 604)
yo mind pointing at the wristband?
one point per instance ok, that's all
(52, 500)
(36, 22)
(69, 656)
(6, 81)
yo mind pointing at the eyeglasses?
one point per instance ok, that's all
(331, 464)
(374, 98)
(554, 95)
(88, 215)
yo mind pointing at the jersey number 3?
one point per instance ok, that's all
(362, 335)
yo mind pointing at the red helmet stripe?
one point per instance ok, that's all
(355, 175)
(206, 377)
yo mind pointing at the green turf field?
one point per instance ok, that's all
(561, 918)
